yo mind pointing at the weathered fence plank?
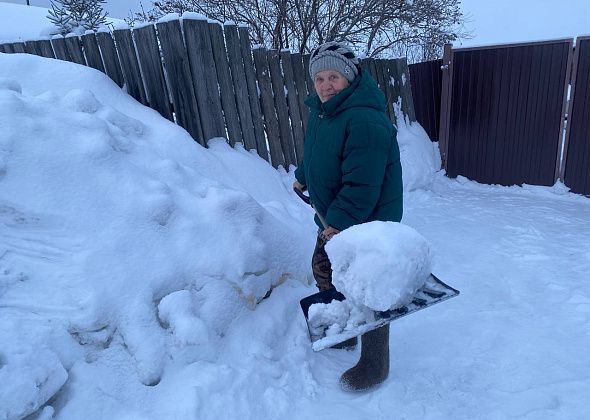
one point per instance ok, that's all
(406, 88)
(576, 171)
(240, 88)
(278, 87)
(308, 80)
(31, 48)
(299, 72)
(74, 49)
(108, 51)
(44, 48)
(293, 102)
(382, 80)
(253, 94)
(180, 79)
(200, 54)
(18, 47)
(92, 52)
(368, 64)
(228, 100)
(130, 65)
(150, 61)
(58, 43)
(270, 118)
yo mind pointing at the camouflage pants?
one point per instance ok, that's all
(320, 265)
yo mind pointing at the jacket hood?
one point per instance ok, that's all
(362, 92)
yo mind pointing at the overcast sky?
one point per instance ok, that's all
(492, 22)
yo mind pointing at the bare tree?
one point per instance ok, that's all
(416, 28)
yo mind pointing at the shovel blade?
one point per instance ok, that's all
(434, 291)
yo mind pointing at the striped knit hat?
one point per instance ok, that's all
(334, 56)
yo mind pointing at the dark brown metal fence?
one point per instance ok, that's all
(577, 143)
(426, 81)
(503, 112)
(207, 78)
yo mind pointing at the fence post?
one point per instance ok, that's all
(445, 104)
(268, 107)
(575, 171)
(572, 70)
(150, 61)
(180, 79)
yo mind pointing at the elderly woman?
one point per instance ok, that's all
(351, 168)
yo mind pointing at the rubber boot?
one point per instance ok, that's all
(373, 366)
(349, 344)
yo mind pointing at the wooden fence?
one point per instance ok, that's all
(208, 79)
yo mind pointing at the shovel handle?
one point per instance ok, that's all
(304, 197)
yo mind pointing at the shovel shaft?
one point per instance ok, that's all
(307, 200)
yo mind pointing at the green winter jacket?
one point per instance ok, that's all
(351, 164)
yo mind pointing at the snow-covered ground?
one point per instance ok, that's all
(132, 260)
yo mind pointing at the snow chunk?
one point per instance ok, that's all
(81, 100)
(339, 316)
(379, 264)
(10, 84)
(27, 380)
(176, 310)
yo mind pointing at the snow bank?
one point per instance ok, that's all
(117, 227)
(420, 157)
(379, 264)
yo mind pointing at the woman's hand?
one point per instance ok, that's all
(329, 232)
(299, 186)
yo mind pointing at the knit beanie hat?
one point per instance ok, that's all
(334, 56)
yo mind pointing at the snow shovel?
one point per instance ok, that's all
(323, 336)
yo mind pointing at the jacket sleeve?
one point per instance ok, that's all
(300, 173)
(364, 162)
